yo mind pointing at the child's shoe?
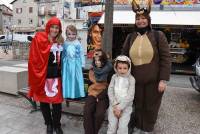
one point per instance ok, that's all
(136, 131)
(144, 132)
(59, 130)
(49, 129)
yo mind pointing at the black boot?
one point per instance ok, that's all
(49, 129)
(59, 130)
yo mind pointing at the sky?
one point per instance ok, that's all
(6, 2)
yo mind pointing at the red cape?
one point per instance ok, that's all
(38, 63)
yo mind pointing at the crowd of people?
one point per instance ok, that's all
(55, 73)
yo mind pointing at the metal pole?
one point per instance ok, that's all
(108, 28)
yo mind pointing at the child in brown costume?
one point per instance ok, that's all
(98, 74)
(97, 100)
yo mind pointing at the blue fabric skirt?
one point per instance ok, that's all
(72, 78)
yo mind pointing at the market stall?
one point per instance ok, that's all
(182, 29)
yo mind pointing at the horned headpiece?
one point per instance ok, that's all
(141, 7)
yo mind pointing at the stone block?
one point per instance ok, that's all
(12, 79)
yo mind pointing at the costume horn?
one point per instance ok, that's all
(135, 6)
(144, 6)
(149, 6)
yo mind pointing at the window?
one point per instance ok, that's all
(43, 21)
(42, 9)
(18, 10)
(53, 7)
(30, 9)
(77, 13)
(19, 21)
(30, 21)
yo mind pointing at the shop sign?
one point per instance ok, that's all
(127, 2)
(98, 2)
(179, 2)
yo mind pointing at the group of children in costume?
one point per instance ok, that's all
(121, 89)
(61, 76)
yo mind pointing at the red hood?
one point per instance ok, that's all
(53, 21)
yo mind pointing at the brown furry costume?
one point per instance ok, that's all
(97, 101)
(154, 66)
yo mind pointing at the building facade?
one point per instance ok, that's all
(25, 14)
(5, 19)
(48, 9)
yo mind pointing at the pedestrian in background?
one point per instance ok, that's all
(121, 92)
(73, 61)
(149, 52)
(44, 72)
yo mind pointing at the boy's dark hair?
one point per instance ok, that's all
(103, 57)
(122, 62)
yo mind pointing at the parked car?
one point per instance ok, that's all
(195, 80)
(5, 39)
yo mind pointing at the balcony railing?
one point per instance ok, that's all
(52, 12)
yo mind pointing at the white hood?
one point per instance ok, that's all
(123, 58)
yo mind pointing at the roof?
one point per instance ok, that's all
(7, 13)
(6, 7)
(158, 17)
(13, 1)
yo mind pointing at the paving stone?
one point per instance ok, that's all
(4, 129)
(179, 113)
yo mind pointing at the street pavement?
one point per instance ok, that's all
(179, 112)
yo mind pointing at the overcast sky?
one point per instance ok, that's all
(6, 2)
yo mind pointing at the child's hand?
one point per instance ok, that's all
(117, 112)
(92, 93)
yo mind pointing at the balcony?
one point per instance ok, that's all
(52, 12)
(41, 12)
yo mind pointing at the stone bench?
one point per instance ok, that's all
(12, 79)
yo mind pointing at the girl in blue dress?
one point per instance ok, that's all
(73, 61)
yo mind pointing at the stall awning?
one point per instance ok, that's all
(158, 17)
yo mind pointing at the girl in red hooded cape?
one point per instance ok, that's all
(44, 73)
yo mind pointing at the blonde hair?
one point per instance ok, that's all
(60, 38)
(71, 28)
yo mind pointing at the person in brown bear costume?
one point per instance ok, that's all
(149, 52)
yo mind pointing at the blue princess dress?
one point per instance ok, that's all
(72, 76)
